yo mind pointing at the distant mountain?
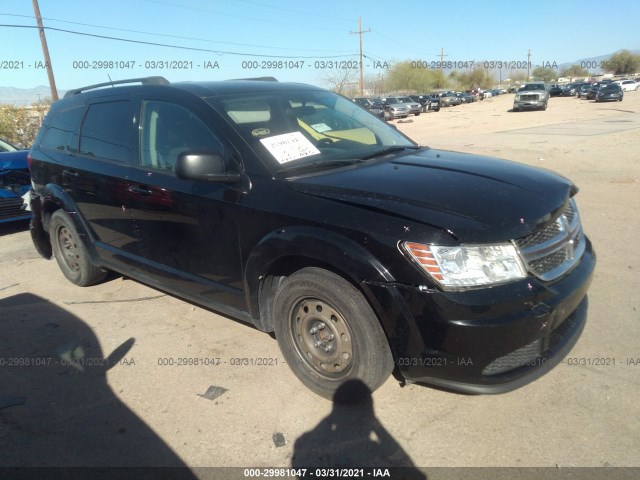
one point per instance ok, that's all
(25, 96)
(593, 64)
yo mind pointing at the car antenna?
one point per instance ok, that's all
(111, 81)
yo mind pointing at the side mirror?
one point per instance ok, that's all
(204, 166)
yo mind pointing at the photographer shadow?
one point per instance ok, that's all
(352, 437)
(56, 407)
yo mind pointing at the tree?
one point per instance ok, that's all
(518, 77)
(342, 81)
(574, 71)
(544, 74)
(407, 76)
(19, 125)
(476, 78)
(374, 84)
(623, 63)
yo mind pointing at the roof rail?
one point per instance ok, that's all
(262, 79)
(142, 80)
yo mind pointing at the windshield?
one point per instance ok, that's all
(532, 86)
(288, 129)
(6, 146)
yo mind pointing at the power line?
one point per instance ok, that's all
(161, 34)
(216, 12)
(196, 49)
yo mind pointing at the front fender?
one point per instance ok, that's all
(315, 246)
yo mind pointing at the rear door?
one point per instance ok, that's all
(92, 168)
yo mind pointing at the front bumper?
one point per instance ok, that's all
(608, 98)
(524, 104)
(398, 113)
(485, 340)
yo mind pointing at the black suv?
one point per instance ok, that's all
(374, 105)
(295, 210)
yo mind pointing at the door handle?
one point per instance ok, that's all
(139, 190)
(70, 173)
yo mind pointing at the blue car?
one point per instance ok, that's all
(15, 183)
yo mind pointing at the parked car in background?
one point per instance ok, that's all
(395, 108)
(449, 99)
(555, 90)
(15, 183)
(427, 102)
(593, 90)
(374, 105)
(415, 107)
(531, 96)
(466, 97)
(627, 85)
(571, 89)
(583, 90)
(609, 92)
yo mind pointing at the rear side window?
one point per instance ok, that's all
(60, 128)
(106, 131)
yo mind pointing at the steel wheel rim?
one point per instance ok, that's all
(69, 249)
(322, 337)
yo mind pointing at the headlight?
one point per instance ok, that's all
(468, 265)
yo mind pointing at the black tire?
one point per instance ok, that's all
(329, 334)
(70, 252)
(417, 114)
(545, 105)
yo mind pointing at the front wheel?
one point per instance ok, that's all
(71, 254)
(329, 334)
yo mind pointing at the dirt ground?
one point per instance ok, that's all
(132, 407)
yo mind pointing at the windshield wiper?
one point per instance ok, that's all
(388, 150)
(321, 164)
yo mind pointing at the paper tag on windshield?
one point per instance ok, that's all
(321, 127)
(289, 146)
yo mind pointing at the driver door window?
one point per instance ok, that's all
(167, 130)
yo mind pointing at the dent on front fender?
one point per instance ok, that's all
(315, 246)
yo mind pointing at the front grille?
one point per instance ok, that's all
(540, 236)
(549, 262)
(554, 249)
(538, 352)
(518, 358)
(529, 97)
(11, 207)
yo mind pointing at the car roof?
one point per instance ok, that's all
(202, 89)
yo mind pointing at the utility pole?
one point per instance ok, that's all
(360, 32)
(528, 63)
(442, 55)
(45, 50)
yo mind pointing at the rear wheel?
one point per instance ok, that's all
(70, 252)
(329, 334)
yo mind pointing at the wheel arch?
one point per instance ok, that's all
(288, 250)
(46, 201)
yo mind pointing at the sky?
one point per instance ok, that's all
(94, 41)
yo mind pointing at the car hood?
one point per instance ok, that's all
(14, 160)
(473, 198)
